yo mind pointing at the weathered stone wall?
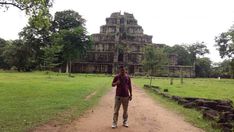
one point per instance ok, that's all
(92, 68)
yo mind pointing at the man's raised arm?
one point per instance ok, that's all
(115, 81)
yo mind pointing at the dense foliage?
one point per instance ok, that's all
(46, 43)
(154, 58)
(225, 46)
(70, 34)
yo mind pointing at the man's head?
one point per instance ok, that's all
(122, 70)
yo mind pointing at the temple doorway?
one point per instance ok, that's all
(131, 69)
(120, 57)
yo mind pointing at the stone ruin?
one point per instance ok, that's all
(221, 112)
(121, 41)
(175, 70)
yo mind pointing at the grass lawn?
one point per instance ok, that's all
(31, 99)
(203, 88)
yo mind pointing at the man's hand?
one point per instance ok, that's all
(130, 97)
(115, 83)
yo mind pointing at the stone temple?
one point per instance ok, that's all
(121, 41)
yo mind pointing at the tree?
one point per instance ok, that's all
(222, 69)
(69, 28)
(232, 68)
(33, 8)
(50, 56)
(184, 58)
(37, 35)
(17, 54)
(225, 46)
(74, 45)
(154, 58)
(30, 6)
(3, 43)
(197, 49)
(67, 19)
(203, 67)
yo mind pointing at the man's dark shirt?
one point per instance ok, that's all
(123, 87)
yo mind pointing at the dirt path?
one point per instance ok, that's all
(145, 115)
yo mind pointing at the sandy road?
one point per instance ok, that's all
(145, 115)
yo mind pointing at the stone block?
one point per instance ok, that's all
(210, 114)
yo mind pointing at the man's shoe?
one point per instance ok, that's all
(125, 124)
(114, 125)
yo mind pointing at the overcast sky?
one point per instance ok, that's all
(169, 21)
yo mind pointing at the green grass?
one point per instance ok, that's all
(30, 99)
(203, 88)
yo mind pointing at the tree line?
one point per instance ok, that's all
(186, 54)
(225, 46)
(47, 42)
(192, 55)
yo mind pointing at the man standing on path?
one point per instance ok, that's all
(123, 96)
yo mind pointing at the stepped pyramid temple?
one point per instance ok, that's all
(120, 42)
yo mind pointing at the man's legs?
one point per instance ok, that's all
(116, 110)
(125, 101)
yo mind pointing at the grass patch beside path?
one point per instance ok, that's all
(198, 87)
(203, 88)
(31, 99)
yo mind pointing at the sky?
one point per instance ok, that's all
(168, 21)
